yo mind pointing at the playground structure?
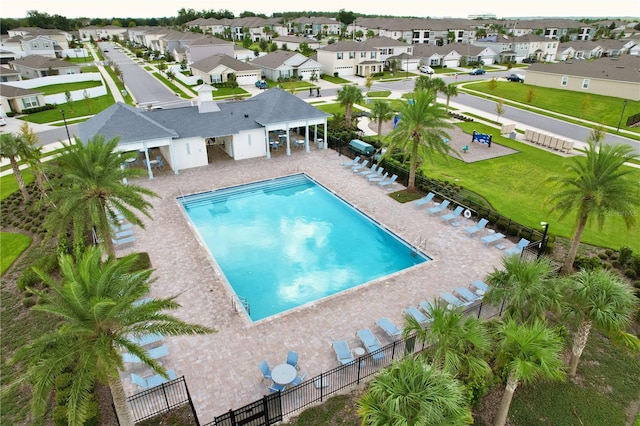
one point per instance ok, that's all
(481, 138)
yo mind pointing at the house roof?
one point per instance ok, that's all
(278, 58)
(348, 46)
(292, 39)
(426, 50)
(208, 40)
(623, 68)
(7, 71)
(377, 42)
(211, 62)
(42, 62)
(578, 45)
(7, 91)
(127, 123)
(269, 107)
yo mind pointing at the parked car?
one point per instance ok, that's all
(516, 78)
(426, 69)
(3, 121)
(477, 71)
(261, 84)
(529, 60)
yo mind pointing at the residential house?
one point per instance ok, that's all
(388, 47)
(616, 77)
(437, 56)
(8, 74)
(16, 99)
(205, 46)
(217, 68)
(579, 50)
(106, 32)
(418, 31)
(136, 34)
(614, 48)
(515, 49)
(187, 137)
(39, 66)
(348, 57)
(553, 28)
(294, 42)
(471, 55)
(242, 53)
(284, 64)
(315, 25)
(40, 45)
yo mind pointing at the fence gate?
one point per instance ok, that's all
(263, 412)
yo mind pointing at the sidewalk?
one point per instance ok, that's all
(115, 92)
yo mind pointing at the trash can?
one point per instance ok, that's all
(512, 135)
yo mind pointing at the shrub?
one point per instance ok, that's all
(625, 254)
(29, 278)
(609, 252)
(616, 264)
(336, 74)
(142, 262)
(631, 274)
(38, 109)
(635, 263)
(60, 415)
(587, 263)
(29, 301)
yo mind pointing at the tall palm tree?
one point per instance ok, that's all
(599, 299)
(527, 287)
(11, 147)
(596, 185)
(33, 156)
(381, 111)
(526, 352)
(410, 392)
(347, 96)
(99, 313)
(419, 131)
(458, 342)
(435, 84)
(89, 191)
(449, 91)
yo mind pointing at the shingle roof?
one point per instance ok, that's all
(209, 63)
(348, 46)
(384, 42)
(42, 62)
(276, 59)
(623, 68)
(269, 107)
(8, 91)
(208, 40)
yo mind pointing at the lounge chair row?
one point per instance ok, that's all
(153, 381)
(122, 232)
(548, 141)
(368, 340)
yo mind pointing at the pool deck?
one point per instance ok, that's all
(221, 369)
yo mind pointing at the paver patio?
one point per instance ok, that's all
(221, 369)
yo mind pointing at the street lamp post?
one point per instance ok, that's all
(624, 105)
(64, 119)
(543, 243)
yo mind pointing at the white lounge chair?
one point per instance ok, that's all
(152, 381)
(352, 162)
(388, 327)
(377, 178)
(343, 353)
(477, 227)
(449, 217)
(481, 287)
(438, 209)
(467, 294)
(370, 342)
(389, 181)
(492, 238)
(518, 248)
(417, 315)
(424, 200)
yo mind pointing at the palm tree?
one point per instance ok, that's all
(347, 96)
(458, 342)
(419, 131)
(599, 299)
(527, 287)
(33, 156)
(381, 111)
(426, 83)
(89, 191)
(99, 313)
(410, 392)
(449, 91)
(526, 352)
(596, 185)
(11, 147)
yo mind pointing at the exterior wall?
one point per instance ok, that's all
(618, 89)
(196, 53)
(189, 153)
(249, 144)
(58, 79)
(18, 104)
(345, 66)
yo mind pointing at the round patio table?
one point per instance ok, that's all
(283, 374)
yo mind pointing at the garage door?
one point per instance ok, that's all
(248, 79)
(451, 63)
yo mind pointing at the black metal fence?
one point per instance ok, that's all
(274, 407)
(161, 399)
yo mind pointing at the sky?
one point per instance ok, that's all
(433, 8)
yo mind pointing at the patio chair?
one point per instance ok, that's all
(439, 208)
(121, 227)
(147, 339)
(360, 166)
(377, 178)
(276, 387)
(452, 300)
(152, 381)
(424, 200)
(492, 238)
(477, 227)
(417, 315)
(292, 359)
(366, 171)
(467, 294)
(299, 379)
(266, 371)
(389, 182)
(376, 174)
(427, 307)
(341, 348)
(123, 234)
(160, 163)
(388, 327)
(352, 162)
(481, 287)
(155, 353)
(370, 342)
(454, 214)
(518, 248)
(123, 241)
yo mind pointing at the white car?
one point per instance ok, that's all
(3, 121)
(426, 69)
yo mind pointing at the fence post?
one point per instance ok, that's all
(359, 366)
(393, 350)
(321, 386)
(164, 393)
(193, 409)
(265, 405)
(232, 417)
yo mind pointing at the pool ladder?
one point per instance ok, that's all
(419, 243)
(240, 302)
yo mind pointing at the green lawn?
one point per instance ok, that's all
(291, 85)
(172, 86)
(76, 109)
(595, 108)
(61, 88)
(80, 60)
(515, 187)
(335, 80)
(12, 247)
(89, 68)
(378, 94)
(9, 185)
(224, 92)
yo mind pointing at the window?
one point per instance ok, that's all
(363, 54)
(373, 55)
(30, 102)
(426, 34)
(585, 83)
(390, 51)
(339, 55)
(352, 55)
(34, 44)
(416, 34)
(565, 80)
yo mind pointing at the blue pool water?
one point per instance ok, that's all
(288, 241)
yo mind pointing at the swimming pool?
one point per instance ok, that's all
(289, 241)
